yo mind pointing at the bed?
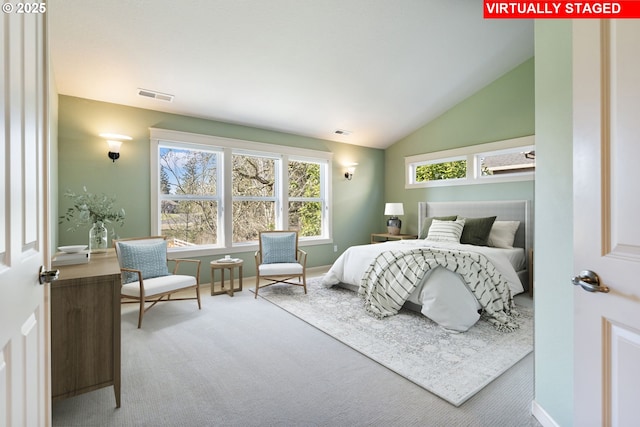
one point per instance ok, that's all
(439, 293)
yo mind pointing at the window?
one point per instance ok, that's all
(501, 161)
(305, 198)
(506, 162)
(188, 195)
(212, 194)
(254, 196)
(441, 170)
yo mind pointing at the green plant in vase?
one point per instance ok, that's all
(95, 211)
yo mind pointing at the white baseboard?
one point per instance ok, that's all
(542, 416)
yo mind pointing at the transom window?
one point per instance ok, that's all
(501, 161)
(211, 194)
(441, 170)
(506, 162)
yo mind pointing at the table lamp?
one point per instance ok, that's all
(393, 223)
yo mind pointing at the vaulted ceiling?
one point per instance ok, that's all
(379, 69)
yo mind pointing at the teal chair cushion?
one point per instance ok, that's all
(148, 257)
(278, 248)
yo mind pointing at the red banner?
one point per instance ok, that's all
(518, 9)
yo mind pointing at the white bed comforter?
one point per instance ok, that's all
(442, 295)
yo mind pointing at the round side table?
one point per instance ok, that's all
(223, 265)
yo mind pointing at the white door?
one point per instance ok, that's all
(606, 103)
(24, 316)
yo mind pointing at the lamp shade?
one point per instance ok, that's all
(394, 209)
(114, 146)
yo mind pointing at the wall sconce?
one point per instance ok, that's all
(114, 149)
(114, 141)
(351, 168)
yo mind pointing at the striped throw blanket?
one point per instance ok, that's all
(393, 276)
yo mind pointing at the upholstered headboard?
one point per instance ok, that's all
(508, 210)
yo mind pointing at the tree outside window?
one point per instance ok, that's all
(305, 198)
(254, 196)
(445, 170)
(271, 188)
(189, 203)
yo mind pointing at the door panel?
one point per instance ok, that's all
(24, 387)
(606, 234)
(624, 348)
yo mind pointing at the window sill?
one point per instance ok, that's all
(188, 252)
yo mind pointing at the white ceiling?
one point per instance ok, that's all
(378, 68)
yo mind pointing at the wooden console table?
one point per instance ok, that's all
(85, 327)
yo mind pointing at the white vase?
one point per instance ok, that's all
(98, 238)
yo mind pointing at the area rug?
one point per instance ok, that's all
(452, 365)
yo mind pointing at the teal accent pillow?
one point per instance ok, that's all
(427, 223)
(278, 247)
(476, 230)
(150, 258)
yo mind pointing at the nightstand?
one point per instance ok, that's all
(385, 237)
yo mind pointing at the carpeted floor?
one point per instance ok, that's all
(452, 365)
(245, 362)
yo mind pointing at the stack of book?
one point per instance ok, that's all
(227, 260)
(70, 259)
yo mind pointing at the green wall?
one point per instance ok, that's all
(554, 220)
(83, 161)
(502, 110)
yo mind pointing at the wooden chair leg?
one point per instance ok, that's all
(141, 312)
(257, 286)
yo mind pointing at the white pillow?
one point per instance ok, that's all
(503, 233)
(446, 231)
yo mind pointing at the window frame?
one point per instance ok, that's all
(275, 198)
(228, 147)
(472, 154)
(323, 199)
(217, 198)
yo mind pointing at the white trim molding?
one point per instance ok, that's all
(542, 416)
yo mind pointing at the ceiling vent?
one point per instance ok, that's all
(155, 95)
(343, 132)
